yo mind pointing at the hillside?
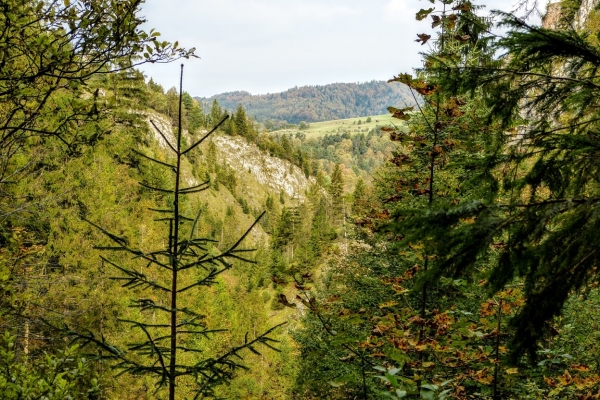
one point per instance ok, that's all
(348, 125)
(153, 246)
(316, 103)
(246, 173)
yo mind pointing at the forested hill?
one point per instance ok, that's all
(318, 103)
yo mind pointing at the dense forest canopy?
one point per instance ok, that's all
(318, 103)
(157, 246)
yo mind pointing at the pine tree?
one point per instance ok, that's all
(241, 121)
(360, 198)
(216, 112)
(336, 190)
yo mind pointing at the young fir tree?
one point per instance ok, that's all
(186, 263)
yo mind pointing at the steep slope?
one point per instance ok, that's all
(261, 172)
(318, 103)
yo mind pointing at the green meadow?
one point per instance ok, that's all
(351, 125)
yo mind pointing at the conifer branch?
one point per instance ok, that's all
(206, 136)
(134, 278)
(164, 137)
(172, 167)
(156, 188)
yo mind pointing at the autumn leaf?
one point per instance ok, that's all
(402, 78)
(388, 304)
(580, 367)
(465, 7)
(397, 137)
(425, 89)
(462, 38)
(550, 381)
(423, 13)
(400, 159)
(436, 21)
(283, 300)
(421, 347)
(566, 379)
(400, 113)
(423, 37)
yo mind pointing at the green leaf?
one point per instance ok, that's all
(429, 386)
(427, 394)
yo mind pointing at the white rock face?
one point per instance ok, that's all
(584, 11)
(164, 124)
(273, 172)
(553, 14)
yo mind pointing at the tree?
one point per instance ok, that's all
(360, 198)
(66, 69)
(540, 211)
(385, 308)
(336, 190)
(53, 49)
(184, 264)
(216, 112)
(241, 121)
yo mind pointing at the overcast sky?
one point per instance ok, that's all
(267, 46)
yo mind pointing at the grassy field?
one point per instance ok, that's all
(350, 125)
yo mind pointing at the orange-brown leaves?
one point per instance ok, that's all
(418, 85)
(400, 113)
(283, 300)
(423, 38)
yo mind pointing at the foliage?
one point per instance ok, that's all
(52, 50)
(64, 375)
(316, 103)
(541, 201)
(190, 264)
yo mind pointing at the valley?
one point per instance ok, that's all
(305, 244)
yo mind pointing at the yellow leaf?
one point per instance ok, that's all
(580, 367)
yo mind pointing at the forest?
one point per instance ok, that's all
(153, 246)
(316, 103)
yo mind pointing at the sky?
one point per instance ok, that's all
(268, 46)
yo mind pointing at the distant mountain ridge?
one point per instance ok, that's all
(317, 103)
